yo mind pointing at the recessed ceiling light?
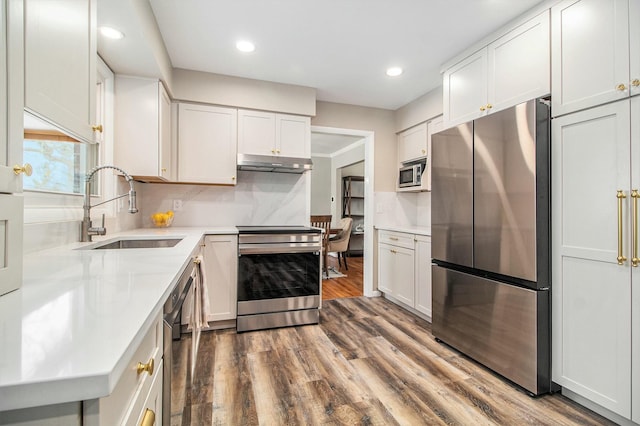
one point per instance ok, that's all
(111, 33)
(245, 46)
(394, 71)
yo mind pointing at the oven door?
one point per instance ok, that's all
(278, 276)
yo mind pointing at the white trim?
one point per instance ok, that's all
(368, 141)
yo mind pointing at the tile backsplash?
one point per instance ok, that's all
(258, 199)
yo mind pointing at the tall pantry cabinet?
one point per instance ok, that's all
(595, 199)
(11, 129)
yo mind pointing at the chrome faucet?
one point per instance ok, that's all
(88, 230)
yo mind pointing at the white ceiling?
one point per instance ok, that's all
(340, 47)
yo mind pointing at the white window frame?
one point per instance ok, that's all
(41, 206)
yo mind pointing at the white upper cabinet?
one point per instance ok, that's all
(519, 64)
(143, 128)
(60, 63)
(591, 53)
(510, 70)
(634, 49)
(465, 89)
(11, 133)
(267, 133)
(412, 143)
(207, 138)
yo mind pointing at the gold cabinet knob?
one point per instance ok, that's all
(424, 151)
(148, 367)
(97, 128)
(636, 82)
(621, 87)
(149, 418)
(277, 151)
(26, 169)
(233, 178)
(273, 150)
(163, 170)
(489, 106)
(482, 108)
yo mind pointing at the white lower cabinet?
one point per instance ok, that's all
(404, 269)
(221, 263)
(139, 388)
(595, 305)
(220, 254)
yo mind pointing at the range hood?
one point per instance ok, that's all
(273, 163)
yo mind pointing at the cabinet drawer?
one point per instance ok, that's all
(148, 397)
(396, 239)
(116, 408)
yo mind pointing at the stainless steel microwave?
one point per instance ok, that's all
(411, 175)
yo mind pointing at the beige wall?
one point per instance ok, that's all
(420, 110)
(219, 89)
(379, 121)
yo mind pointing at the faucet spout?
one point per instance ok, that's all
(87, 230)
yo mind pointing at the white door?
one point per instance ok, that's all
(412, 143)
(590, 53)
(164, 134)
(423, 275)
(293, 136)
(635, 283)
(591, 291)
(519, 64)
(256, 132)
(60, 57)
(207, 144)
(221, 263)
(465, 89)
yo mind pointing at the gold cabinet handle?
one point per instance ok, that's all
(635, 260)
(393, 251)
(148, 367)
(620, 196)
(26, 169)
(482, 108)
(424, 151)
(489, 106)
(273, 150)
(149, 418)
(393, 238)
(636, 82)
(97, 128)
(277, 151)
(233, 178)
(621, 87)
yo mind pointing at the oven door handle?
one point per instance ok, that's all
(278, 248)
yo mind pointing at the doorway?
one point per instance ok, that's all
(342, 186)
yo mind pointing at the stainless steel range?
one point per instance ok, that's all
(278, 276)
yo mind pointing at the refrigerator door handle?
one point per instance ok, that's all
(634, 260)
(621, 195)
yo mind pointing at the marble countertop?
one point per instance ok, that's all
(68, 332)
(417, 230)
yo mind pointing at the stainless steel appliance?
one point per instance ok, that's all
(278, 276)
(273, 163)
(491, 242)
(411, 174)
(172, 322)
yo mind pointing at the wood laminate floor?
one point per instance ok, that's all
(368, 362)
(348, 286)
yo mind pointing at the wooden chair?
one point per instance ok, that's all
(324, 222)
(340, 243)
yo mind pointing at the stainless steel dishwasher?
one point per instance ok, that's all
(172, 323)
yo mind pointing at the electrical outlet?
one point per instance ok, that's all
(177, 205)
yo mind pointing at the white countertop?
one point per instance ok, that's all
(67, 334)
(417, 230)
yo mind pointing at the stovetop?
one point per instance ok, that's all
(277, 230)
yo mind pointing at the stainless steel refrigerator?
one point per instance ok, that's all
(490, 212)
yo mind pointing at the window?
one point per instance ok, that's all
(59, 161)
